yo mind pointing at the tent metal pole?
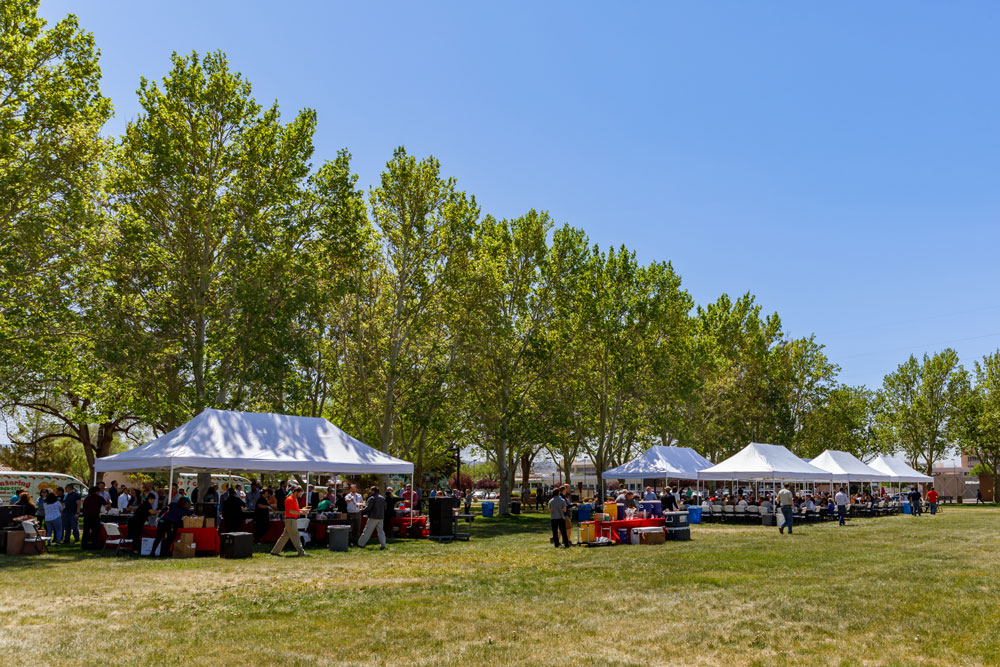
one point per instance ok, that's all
(170, 484)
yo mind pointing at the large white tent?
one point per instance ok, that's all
(661, 462)
(847, 465)
(759, 461)
(894, 470)
(225, 440)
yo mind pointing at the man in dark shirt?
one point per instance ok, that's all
(232, 513)
(281, 493)
(138, 521)
(375, 511)
(668, 501)
(71, 514)
(113, 493)
(171, 520)
(93, 504)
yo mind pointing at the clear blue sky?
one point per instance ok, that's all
(840, 161)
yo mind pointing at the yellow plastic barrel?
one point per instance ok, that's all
(612, 509)
(588, 532)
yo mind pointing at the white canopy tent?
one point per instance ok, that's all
(894, 470)
(222, 440)
(664, 462)
(850, 467)
(762, 462)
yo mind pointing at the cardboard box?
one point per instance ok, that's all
(15, 542)
(652, 538)
(192, 522)
(184, 550)
(185, 538)
(209, 522)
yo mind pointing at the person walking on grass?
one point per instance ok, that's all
(291, 532)
(557, 513)
(932, 500)
(375, 511)
(979, 496)
(841, 500)
(53, 517)
(785, 501)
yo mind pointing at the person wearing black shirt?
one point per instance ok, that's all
(668, 501)
(71, 514)
(93, 504)
(390, 505)
(232, 513)
(166, 529)
(281, 494)
(262, 515)
(138, 520)
(341, 501)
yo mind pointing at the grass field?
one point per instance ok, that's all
(892, 591)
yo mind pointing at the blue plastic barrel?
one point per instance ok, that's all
(694, 515)
(906, 508)
(623, 535)
(585, 512)
(487, 509)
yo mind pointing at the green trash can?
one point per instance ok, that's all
(339, 537)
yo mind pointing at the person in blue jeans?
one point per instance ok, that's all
(53, 517)
(785, 500)
(71, 514)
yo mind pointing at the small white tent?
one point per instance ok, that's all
(759, 461)
(894, 470)
(847, 465)
(252, 441)
(661, 462)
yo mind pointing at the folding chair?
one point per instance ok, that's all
(114, 536)
(31, 536)
(717, 513)
(741, 513)
(753, 514)
(728, 513)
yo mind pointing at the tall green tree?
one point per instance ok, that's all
(916, 403)
(844, 421)
(206, 192)
(521, 285)
(975, 426)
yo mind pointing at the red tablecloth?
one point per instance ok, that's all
(207, 539)
(627, 524)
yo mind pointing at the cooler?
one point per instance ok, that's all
(649, 535)
(487, 509)
(235, 545)
(694, 515)
(678, 534)
(611, 509)
(620, 513)
(653, 508)
(588, 531)
(623, 535)
(675, 519)
(585, 512)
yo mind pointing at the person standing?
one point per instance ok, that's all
(138, 521)
(53, 517)
(557, 515)
(232, 513)
(166, 529)
(979, 496)
(281, 493)
(841, 500)
(375, 511)
(914, 496)
(261, 515)
(291, 532)
(354, 505)
(785, 500)
(113, 493)
(649, 495)
(667, 501)
(932, 500)
(92, 506)
(410, 497)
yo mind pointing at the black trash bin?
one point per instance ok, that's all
(515, 507)
(338, 537)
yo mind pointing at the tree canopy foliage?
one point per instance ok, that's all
(202, 259)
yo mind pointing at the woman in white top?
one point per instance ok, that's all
(123, 500)
(53, 517)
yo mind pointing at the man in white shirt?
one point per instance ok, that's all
(123, 499)
(785, 500)
(841, 500)
(355, 503)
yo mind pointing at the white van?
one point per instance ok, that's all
(14, 482)
(188, 482)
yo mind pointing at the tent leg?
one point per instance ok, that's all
(95, 476)
(170, 484)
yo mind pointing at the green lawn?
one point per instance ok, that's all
(892, 591)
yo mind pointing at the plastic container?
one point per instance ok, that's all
(907, 509)
(620, 513)
(488, 509)
(623, 535)
(611, 508)
(653, 508)
(588, 531)
(338, 537)
(585, 512)
(694, 515)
